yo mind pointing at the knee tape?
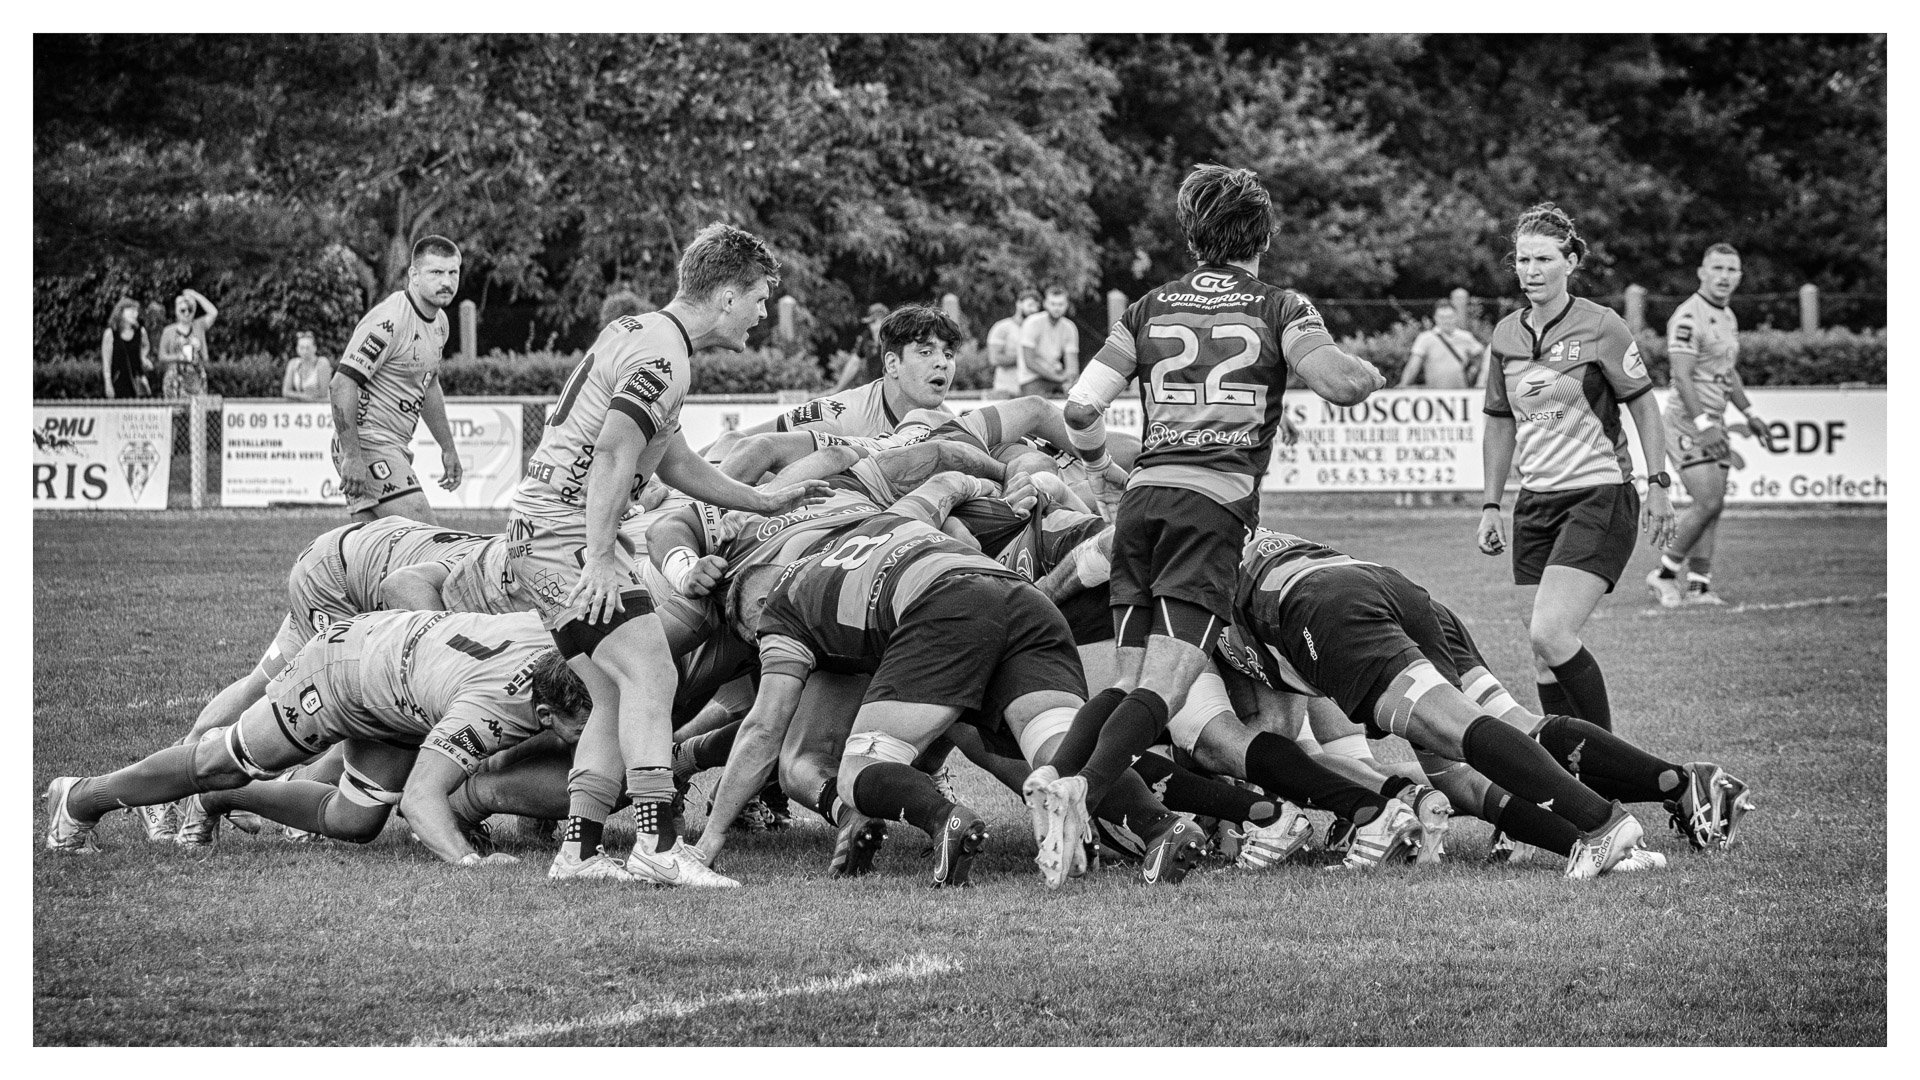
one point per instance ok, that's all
(360, 790)
(1041, 728)
(1090, 565)
(237, 750)
(1404, 694)
(1488, 693)
(880, 746)
(1349, 746)
(1206, 700)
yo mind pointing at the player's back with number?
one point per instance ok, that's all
(416, 669)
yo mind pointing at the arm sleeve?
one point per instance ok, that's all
(1682, 333)
(1496, 397)
(473, 728)
(1620, 359)
(641, 385)
(1302, 330)
(371, 344)
(820, 414)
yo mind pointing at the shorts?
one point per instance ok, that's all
(389, 475)
(544, 555)
(316, 591)
(1591, 529)
(992, 522)
(978, 643)
(1089, 615)
(1683, 447)
(481, 582)
(1349, 630)
(312, 699)
(703, 671)
(1179, 544)
(1460, 647)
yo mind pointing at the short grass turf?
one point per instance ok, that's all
(138, 619)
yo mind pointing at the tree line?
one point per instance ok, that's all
(295, 170)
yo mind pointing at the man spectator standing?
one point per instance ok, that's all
(869, 359)
(308, 372)
(388, 379)
(183, 345)
(1049, 348)
(1446, 357)
(1003, 345)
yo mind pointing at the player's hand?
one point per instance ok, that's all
(1712, 440)
(779, 500)
(1492, 536)
(1288, 433)
(1020, 493)
(498, 858)
(598, 590)
(452, 471)
(1760, 430)
(1656, 517)
(352, 468)
(705, 574)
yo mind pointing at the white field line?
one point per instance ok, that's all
(917, 966)
(1787, 605)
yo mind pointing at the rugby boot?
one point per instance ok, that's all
(1505, 849)
(1667, 590)
(856, 844)
(1730, 797)
(960, 839)
(67, 834)
(197, 827)
(1597, 852)
(161, 821)
(1173, 852)
(1641, 859)
(1435, 813)
(1700, 594)
(1267, 845)
(675, 866)
(599, 867)
(1386, 839)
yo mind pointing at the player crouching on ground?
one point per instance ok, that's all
(387, 685)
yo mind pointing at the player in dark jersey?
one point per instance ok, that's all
(1212, 351)
(1562, 369)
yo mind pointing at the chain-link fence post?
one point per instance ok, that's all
(197, 449)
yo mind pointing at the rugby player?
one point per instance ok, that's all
(386, 685)
(1562, 368)
(388, 379)
(1703, 345)
(616, 425)
(1213, 351)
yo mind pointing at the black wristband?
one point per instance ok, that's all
(1489, 506)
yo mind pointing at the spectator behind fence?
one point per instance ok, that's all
(1003, 346)
(183, 345)
(308, 372)
(868, 362)
(124, 357)
(1446, 357)
(1049, 348)
(624, 302)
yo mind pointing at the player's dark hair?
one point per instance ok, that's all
(1056, 290)
(1227, 214)
(1028, 294)
(755, 580)
(916, 322)
(723, 256)
(435, 245)
(557, 687)
(1721, 248)
(1555, 224)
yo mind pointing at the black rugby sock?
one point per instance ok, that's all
(1130, 803)
(1506, 757)
(1553, 699)
(1585, 689)
(1282, 767)
(1529, 824)
(1188, 791)
(1078, 743)
(891, 791)
(1613, 767)
(1134, 727)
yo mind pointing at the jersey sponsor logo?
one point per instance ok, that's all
(319, 620)
(1566, 351)
(1544, 415)
(1634, 366)
(310, 702)
(1538, 381)
(380, 470)
(1683, 334)
(1188, 299)
(373, 346)
(1211, 281)
(815, 411)
(646, 384)
(1159, 435)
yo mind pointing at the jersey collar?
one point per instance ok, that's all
(1551, 323)
(683, 331)
(426, 317)
(1708, 300)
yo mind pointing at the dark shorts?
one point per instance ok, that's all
(1466, 655)
(1591, 529)
(1349, 630)
(1089, 615)
(992, 522)
(978, 643)
(1179, 544)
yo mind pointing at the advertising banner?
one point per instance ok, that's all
(280, 452)
(101, 457)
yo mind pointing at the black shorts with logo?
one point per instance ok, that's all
(1176, 543)
(1349, 630)
(1591, 529)
(978, 642)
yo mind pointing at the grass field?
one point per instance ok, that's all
(138, 619)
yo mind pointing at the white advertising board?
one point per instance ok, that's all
(279, 452)
(101, 457)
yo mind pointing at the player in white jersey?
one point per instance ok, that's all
(1703, 345)
(616, 425)
(388, 379)
(389, 685)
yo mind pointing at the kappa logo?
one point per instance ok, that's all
(310, 702)
(380, 470)
(387, 325)
(1212, 281)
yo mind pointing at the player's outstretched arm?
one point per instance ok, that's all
(822, 463)
(1338, 375)
(424, 802)
(687, 471)
(931, 502)
(756, 750)
(769, 452)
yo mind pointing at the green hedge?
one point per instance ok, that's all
(1767, 358)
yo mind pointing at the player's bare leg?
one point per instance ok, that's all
(354, 809)
(1569, 678)
(411, 505)
(878, 779)
(1691, 549)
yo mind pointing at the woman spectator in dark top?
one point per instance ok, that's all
(124, 359)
